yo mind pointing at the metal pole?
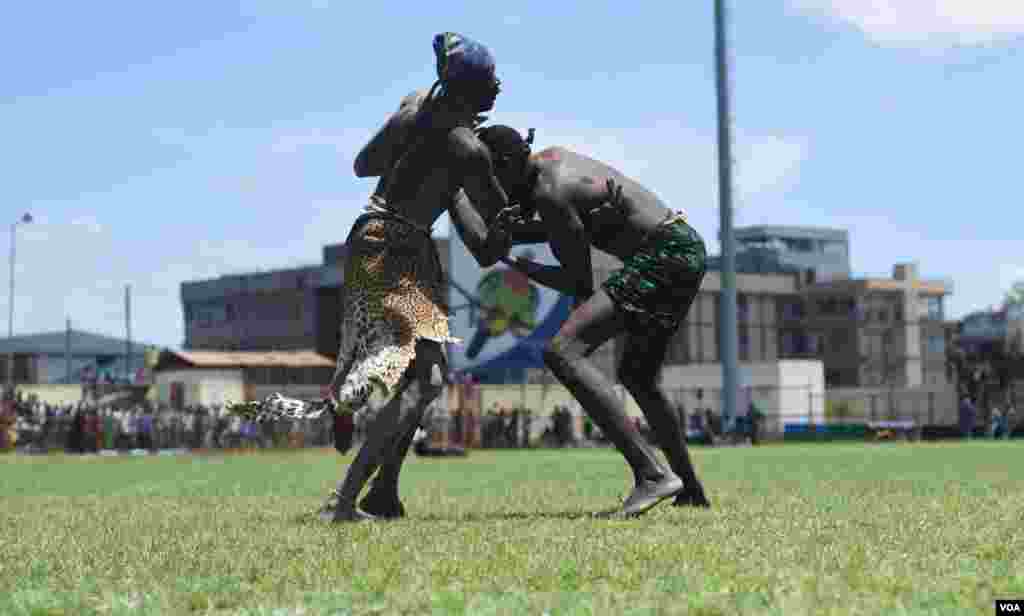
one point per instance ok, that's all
(727, 313)
(67, 351)
(10, 317)
(128, 332)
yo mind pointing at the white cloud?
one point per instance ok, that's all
(925, 23)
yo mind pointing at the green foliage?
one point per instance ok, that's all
(1015, 295)
(795, 529)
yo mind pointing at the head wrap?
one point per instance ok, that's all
(461, 59)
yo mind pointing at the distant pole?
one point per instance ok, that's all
(67, 351)
(25, 219)
(128, 331)
(727, 313)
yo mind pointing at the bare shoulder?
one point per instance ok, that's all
(554, 191)
(466, 146)
(412, 100)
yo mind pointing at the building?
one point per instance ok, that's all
(72, 357)
(186, 378)
(826, 252)
(879, 331)
(992, 332)
(867, 331)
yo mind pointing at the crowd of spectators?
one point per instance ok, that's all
(91, 428)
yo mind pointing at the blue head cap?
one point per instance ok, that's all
(461, 59)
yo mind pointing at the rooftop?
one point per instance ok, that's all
(817, 233)
(82, 344)
(243, 359)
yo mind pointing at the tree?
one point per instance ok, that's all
(1015, 296)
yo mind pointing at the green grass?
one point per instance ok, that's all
(794, 529)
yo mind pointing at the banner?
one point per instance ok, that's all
(503, 318)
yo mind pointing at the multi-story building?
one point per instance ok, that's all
(879, 331)
(823, 251)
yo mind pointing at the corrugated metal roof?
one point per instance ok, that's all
(82, 344)
(252, 359)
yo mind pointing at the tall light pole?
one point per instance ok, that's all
(727, 307)
(25, 219)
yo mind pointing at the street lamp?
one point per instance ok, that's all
(24, 220)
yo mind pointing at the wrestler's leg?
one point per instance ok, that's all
(429, 367)
(638, 370)
(401, 410)
(589, 326)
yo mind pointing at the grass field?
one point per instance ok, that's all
(823, 529)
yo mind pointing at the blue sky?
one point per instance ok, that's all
(160, 143)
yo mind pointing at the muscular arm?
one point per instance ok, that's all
(570, 245)
(486, 246)
(483, 199)
(378, 156)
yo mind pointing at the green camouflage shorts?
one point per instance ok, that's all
(657, 283)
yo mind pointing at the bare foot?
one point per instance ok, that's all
(647, 494)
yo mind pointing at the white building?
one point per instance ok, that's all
(185, 378)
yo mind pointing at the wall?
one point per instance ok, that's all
(53, 394)
(802, 391)
(202, 386)
(787, 391)
(925, 405)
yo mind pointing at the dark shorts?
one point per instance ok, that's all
(657, 284)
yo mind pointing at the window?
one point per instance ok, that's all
(810, 344)
(833, 247)
(744, 344)
(883, 316)
(897, 314)
(791, 309)
(798, 245)
(787, 343)
(934, 304)
(937, 345)
(742, 307)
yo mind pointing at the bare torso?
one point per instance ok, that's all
(423, 174)
(578, 182)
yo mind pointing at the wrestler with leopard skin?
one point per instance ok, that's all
(396, 317)
(584, 203)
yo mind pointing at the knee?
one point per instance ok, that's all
(560, 350)
(428, 392)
